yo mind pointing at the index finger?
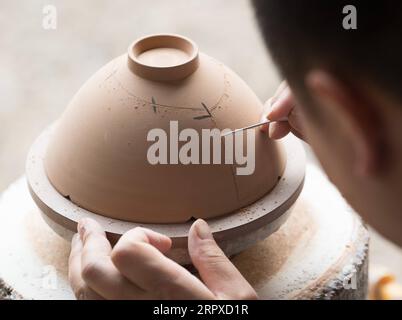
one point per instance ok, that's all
(78, 285)
(282, 107)
(137, 258)
(97, 268)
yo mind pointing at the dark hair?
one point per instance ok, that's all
(301, 35)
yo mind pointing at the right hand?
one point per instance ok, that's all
(282, 105)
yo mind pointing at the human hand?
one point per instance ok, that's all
(136, 268)
(282, 105)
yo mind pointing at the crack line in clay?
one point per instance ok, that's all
(224, 94)
(235, 182)
(156, 104)
(167, 106)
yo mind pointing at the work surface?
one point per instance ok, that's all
(320, 252)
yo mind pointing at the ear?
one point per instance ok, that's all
(359, 117)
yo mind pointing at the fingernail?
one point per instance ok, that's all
(274, 106)
(269, 115)
(271, 130)
(82, 229)
(75, 238)
(202, 229)
(272, 110)
(264, 128)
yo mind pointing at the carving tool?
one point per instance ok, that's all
(253, 126)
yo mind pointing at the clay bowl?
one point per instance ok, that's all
(93, 161)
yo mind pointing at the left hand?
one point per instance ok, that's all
(136, 268)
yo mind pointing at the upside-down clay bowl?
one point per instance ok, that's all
(94, 160)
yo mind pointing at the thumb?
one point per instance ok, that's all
(215, 269)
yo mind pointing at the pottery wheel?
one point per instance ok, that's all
(319, 252)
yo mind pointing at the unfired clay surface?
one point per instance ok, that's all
(97, 155)
(233, 232)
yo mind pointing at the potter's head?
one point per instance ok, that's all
(344, 67)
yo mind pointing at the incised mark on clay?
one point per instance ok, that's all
(153, 104)
(218, 104)
(209, 115)
(156, 104)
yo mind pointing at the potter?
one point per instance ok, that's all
(189, 152)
